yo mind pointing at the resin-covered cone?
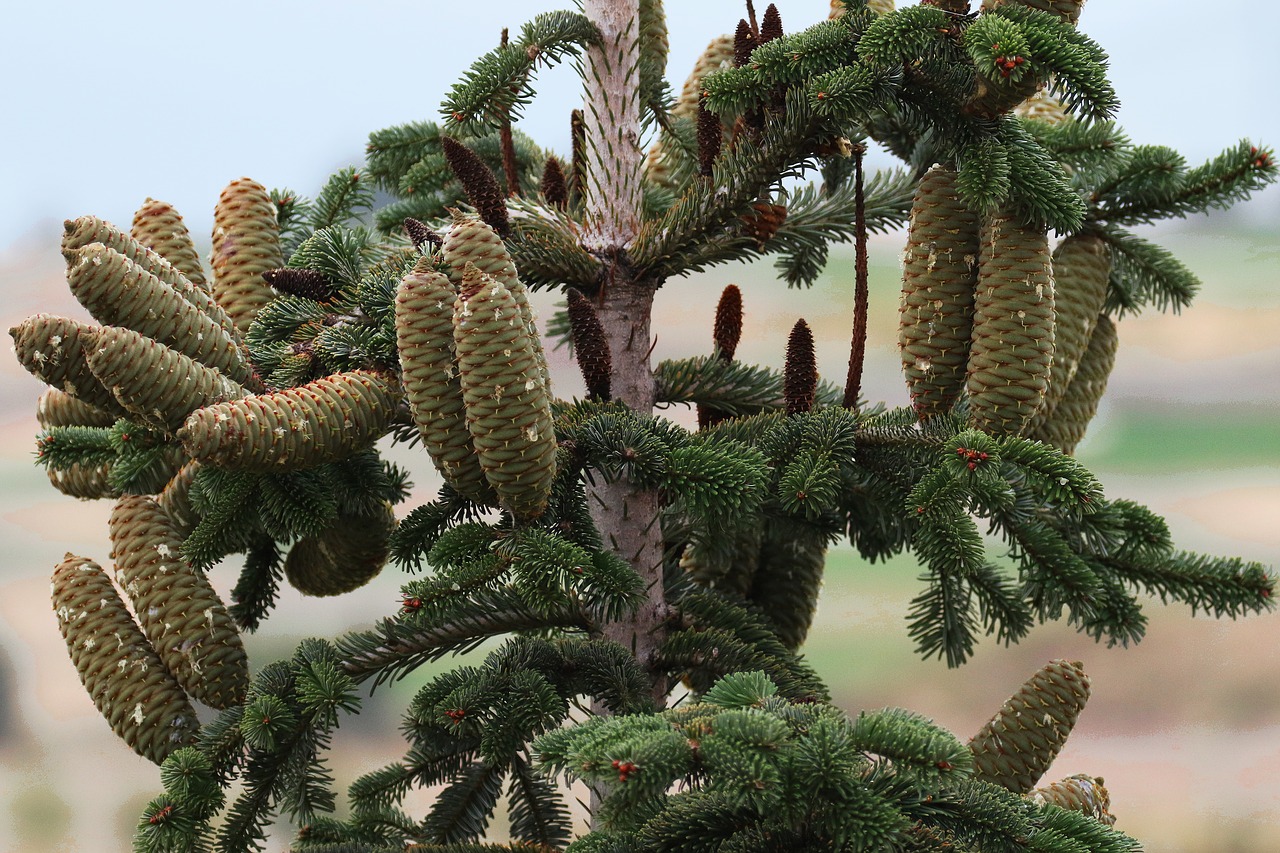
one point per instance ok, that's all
(155, 384)
(119, 292)
(508, 409)
(175, 500)
(160, 228)
(1017, 746)
(58, 408)
(424, 338)
(1081, 271)
(1011, 354)
(179, 611)
(346, 556)
(321, 421)
(939, 277)
(86, 482)
(81, 232)
(1079, 793)
(124, 676)
(54, 350)
(246, 244)
(1066, 424)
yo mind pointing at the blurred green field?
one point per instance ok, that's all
(1185, 727)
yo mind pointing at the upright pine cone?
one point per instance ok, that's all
(246, 243)
(939, 276)
(508, 408)
(175, 500)
(124, 676)
(1066, 424)
(1081, 272)
(424, 338)
(179, 611)
(324, 420)
(346, 556)
(160, 228)
(1017, 746)
(1079, 793)
(1013, 327)
(54, 350)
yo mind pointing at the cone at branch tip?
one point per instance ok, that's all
(246, 244)
(160, 228)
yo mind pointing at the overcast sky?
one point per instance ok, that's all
(108, 103)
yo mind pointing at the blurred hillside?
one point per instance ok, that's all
(1185, 727)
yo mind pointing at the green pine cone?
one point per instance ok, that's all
(54, 350)
(1081, 271)
(1079, 793)
(246, 243)
(160, 228)
(322, 421)
(1017, 746)
(508, 409)
(58, 408)
(346, 556)
(788, 580)
(654, 46)
(85, 483)
(1013, 328)
(155, 384)
(122, 672)
(179, 611)
(118, 292)
(175, 500)
(424, 337)
(939, 277)
(1067, 423)
(90, 229)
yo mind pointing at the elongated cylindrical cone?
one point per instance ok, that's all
(324, 420)
(118, 292)
(1017, 746)
(90, 229)
(160, 228)
(154, 383)
(175, 500)
(122, 672)
(1081, 271)
(1067, 423)
(179, 611)
(654, 46)
(800, 371)
(590, 345)
(717, 55)
(54, 350)
(246, 243)
(939, 278)
(344, 557)
(1011, 355)
(58, 408)
(88, 483)
(1079, 793)
(787, 581)
(424, 337)
(508, 409)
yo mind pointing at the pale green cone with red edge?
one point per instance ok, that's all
(246, 244)
(346, 556)
(1080, 793)
(119, 292)
(175, 500)
(54, 350)
(131, 688)
(322, 421)
(1017, 746)
(1081, 272)
(1067, 423)
(90, 229)
(87, 483)
(160, 228)
(1011, 354)
(179, 611)
(424, 339)
(508, 408)
(58, 408)
(939, 277)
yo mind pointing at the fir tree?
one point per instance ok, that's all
(618, 553)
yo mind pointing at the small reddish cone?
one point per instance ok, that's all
(743, 44)
(590, 346)
(308, 284)
(800, 374)
(726, 333)
(771, 24)
(419, 233)
(479, 182)
(554, 188)
(708, 140)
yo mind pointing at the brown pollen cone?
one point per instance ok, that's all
(590, 346)
(481, 186)
(578, 163)
(709, 138)
(419, 233)
(764, 220)
(555, 189)
(770, 25)
(743, 44)
(309, 284)
(728, 328)
(800, 375)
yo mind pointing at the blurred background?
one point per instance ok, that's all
(111, 103)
